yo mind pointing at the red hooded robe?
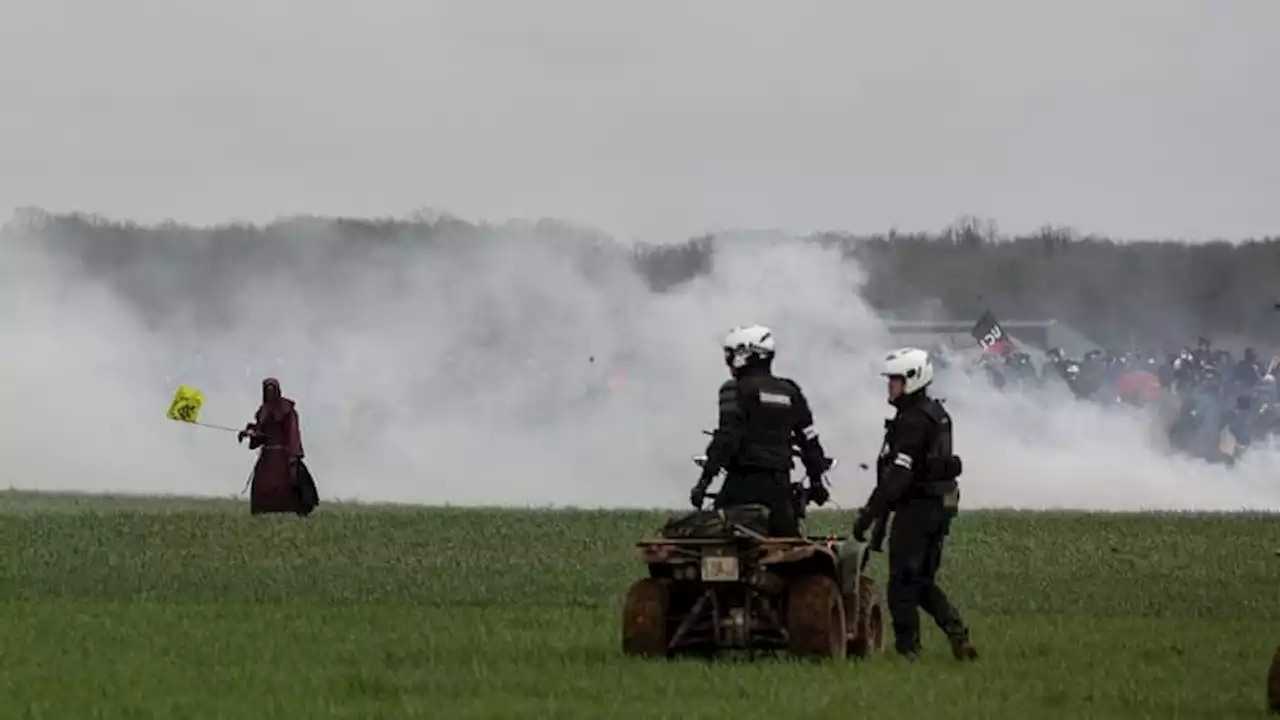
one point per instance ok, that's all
(279, 437)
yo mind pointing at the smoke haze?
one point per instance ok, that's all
(471, 363)
(485, 353)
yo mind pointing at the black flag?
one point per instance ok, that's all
(990, 336)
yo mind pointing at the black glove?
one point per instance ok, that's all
(698, 495)
(862, 525)
(240, 436)
(818, 493)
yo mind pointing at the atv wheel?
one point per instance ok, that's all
(815, 619)
(867, 631)
(644, 618)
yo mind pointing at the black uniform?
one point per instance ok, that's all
(761, 418)
(916, 480)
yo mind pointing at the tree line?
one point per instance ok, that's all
(1153, 294)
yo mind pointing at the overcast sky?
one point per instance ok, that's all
(655, 119)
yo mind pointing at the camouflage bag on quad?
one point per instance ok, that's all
(718, 523)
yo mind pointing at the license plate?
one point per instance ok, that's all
(720, 569)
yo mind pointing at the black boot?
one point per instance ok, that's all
(962, 649)
(907, 648)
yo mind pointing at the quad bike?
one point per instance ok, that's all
(717, 581)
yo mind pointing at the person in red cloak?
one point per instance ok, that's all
(279, 477)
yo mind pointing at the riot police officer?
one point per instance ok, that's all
(916, 480)
(761, 418)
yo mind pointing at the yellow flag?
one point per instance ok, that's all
(186, 405)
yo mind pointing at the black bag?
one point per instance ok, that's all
(305, 495)
(718, 523)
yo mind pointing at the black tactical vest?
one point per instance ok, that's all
(771, 415)
(935, 474)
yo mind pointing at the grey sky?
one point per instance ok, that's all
(658, 119)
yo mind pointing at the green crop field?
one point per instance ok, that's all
(120, 608)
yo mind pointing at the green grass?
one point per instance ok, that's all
(120, 608)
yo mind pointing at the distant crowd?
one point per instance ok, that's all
(1214, 405)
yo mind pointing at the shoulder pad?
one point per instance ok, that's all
(733, 389)
(936, 412)
(789, 383)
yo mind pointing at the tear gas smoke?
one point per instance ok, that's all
(475, 371)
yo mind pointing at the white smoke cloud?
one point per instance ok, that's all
(490, 357)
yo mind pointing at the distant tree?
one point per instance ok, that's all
(1155, 294)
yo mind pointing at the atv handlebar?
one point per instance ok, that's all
(801, 493)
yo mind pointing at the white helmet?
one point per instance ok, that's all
(745, 343)
(912, 365)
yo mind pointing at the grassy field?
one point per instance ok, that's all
(189, 609)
